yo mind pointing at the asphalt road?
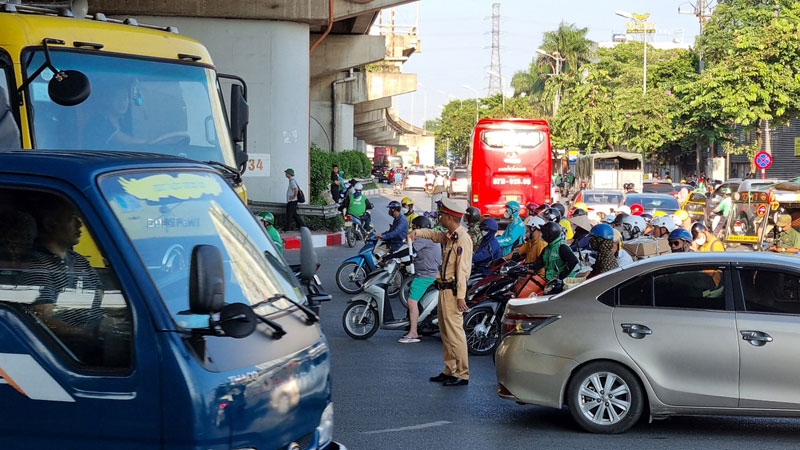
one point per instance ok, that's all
(383, 399)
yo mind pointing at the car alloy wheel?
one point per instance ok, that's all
(605, 397)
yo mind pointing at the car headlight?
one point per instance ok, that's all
(325, 428)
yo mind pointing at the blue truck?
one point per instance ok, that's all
(143, 307)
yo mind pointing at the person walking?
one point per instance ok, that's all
(291, 201)
(426, 266)
(452, 285)
(335, 183)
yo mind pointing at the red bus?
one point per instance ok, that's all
(509, 160)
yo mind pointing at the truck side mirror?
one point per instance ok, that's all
(308, 257)
(69, 88)
(240, 113)
(206, 280)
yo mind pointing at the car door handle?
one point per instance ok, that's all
(636, 330)
(757, 338)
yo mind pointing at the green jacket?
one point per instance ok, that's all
(276, 238)
(789, 239)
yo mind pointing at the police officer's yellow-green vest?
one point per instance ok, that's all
(358, 205)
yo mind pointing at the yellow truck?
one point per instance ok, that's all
(97, 83)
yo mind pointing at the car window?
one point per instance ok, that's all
(460, 175)
(638, 292)
(598, 198)
(658, 188)
(78, 310)
(690, 289)
(653, 202)
(770, 291)
(416, 172)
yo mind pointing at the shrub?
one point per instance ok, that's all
(352, 163)
(314, 223)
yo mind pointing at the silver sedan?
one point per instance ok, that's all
(688, 334)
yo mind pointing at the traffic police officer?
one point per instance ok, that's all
(452, 285)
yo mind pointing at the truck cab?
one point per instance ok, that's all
(73, 81)
(183, 330)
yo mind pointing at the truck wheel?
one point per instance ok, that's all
(352, 321)
(605, 397)
(350, 277)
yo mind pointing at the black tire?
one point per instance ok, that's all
(482, 335)
(405, 291)
(350, 237)
(627, 401)
(343, 278)
(350, 317)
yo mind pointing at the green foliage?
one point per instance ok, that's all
(352, 164)
(314, 223)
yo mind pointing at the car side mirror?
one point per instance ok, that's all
(308, 256)
(206, 280)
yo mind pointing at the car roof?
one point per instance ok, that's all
(602, 191)
(80, 167)
(650, 195)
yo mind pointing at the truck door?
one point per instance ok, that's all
(78, 356)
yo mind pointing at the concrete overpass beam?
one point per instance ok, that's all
(385, 84)
(342, 52)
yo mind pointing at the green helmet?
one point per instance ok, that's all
(267, 216)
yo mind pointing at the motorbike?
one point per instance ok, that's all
(398, 188)
(353, 272)
(354, 230)
(371, 310)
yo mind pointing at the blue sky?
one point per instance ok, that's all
(456, 39)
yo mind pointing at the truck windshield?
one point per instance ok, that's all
(166, 214)
(156, 106)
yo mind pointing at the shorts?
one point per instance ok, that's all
(419, 286)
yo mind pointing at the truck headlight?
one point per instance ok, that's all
(325, 428)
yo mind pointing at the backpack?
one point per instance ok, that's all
(301, 197)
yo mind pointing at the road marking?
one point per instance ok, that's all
(411, 428)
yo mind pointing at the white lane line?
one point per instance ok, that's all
(411, 428)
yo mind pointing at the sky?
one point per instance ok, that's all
(456, 41)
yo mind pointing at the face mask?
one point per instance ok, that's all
(357, 194)
(404, 211)
(507, 215)
(484, 233)
(701, 240)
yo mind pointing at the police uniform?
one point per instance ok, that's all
(452, 285)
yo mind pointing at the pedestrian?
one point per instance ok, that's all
(291, 201)
(789, 241)
(452, 285)
(570, 180)
(335, 183)
(426, 266)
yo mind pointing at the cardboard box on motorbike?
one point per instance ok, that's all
(646, 247)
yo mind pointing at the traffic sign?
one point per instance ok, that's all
(763, 160)
(762, 210)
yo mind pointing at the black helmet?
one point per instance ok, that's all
(552, 215)
(394, 204)
(578, 212)
(698, 228)
(618, 220)
(422, 222)
(473, 215)
(628, 186)
(551, 231)
(562, 211)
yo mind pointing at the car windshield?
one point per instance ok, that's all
(460, 175)
(604, 198)
(659, 188)
(167, 214)
(667, 203)
(513, 138)
(416, 172)
(135, 104)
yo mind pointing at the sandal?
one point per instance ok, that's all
(408, 340)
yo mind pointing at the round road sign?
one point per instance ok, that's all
(762, 210)
(763, 160)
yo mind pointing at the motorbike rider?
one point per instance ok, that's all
(532, 208)
(452, 285)
(534, 244)
(662, 226)
(427, 260)
(682, 220)
(579, 208)
(582, 226)
(623, 257)
(724, 209)
(704, 241)
(408, 209)
(514, 232)
(557, 259)
(632, 227)
(268, 220)
(358, 205)
(629, 188)
(789, 240)
(488, 249)
(601, 240)
(472, 222)
(395, 237)
(680, 241)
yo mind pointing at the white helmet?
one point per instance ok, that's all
(625, 209)
(664, 222)
(534, 221)
(633, 227)
(359, 186)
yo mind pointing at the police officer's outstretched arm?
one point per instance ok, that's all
(439, 237)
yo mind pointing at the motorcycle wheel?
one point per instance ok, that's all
(350, 237)
(350, 277)
(482, 338)
(353, 326)
(405, 291)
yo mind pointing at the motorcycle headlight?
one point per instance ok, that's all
(325, 428)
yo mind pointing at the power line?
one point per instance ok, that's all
(495, 83)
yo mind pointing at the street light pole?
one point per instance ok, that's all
(640, 19)
(477, 95)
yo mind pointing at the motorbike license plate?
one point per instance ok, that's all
(348, 224)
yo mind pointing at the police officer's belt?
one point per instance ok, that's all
(444, 284)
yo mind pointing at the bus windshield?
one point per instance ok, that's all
(135, 105)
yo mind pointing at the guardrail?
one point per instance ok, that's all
(304, 209)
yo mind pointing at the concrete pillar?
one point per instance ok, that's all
(343, 136)
(272, 56)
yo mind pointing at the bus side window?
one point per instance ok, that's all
(79, 311)
(9, 131)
